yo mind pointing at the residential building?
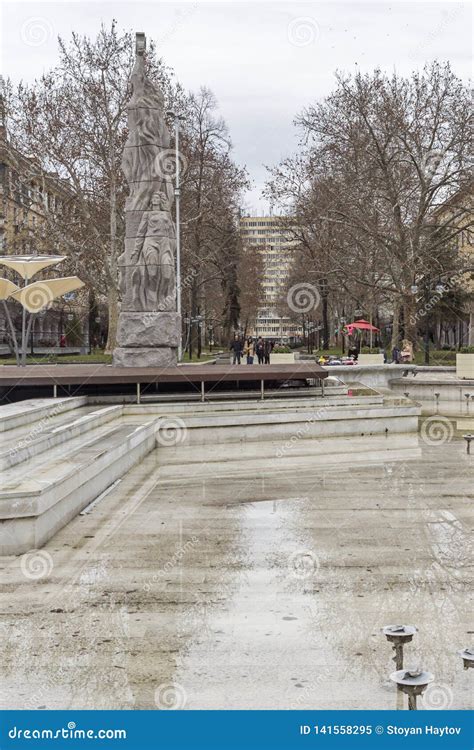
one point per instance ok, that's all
(274, 242)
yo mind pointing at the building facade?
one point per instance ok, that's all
(28, 197)
(268, 235)
(459, 209)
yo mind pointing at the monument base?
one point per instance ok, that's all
(163, 356)
(147, 339)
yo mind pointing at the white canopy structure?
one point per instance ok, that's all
(33, 297)
(29, 265)
(38, 295)
(7, 288)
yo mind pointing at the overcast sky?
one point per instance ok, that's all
(264, 60)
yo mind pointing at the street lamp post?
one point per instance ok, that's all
(177, 195)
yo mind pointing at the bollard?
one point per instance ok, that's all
(467, 656)
(468, 439)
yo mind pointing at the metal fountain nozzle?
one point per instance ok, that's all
(467, 656)
(412, 682)
(398, 635)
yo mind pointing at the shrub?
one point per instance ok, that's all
(467, 350)
(279, 349)
(368, 350)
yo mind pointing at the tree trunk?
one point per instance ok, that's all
(396, 326)
(113, 308)
(409, 316)
(325, 321)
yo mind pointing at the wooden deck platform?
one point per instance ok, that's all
(197, 375)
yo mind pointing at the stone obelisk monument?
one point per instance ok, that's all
(148, 326)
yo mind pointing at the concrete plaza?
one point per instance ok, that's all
(206, 579)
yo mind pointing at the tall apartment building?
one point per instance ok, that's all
(275, 245)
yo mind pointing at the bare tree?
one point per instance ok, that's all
(386, 152)
(73, 120)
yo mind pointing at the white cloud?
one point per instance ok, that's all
(244, 52)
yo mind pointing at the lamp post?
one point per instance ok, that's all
(177, 196)
(428, 294)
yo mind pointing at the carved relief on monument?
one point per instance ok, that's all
(149, 260)
(148, 327)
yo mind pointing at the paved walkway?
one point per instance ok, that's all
(216, 585)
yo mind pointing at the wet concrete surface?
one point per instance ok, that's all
(241, 586)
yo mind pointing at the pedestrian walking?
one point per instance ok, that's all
(267, 349)
(249, 350)
(236, 349)
(260, 350)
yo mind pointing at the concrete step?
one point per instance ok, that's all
(50, 489)
(284, 425)
(20, 444)
(270, 457)
(270, 405)
(32, 410)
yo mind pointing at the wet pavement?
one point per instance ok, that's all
(222, 579)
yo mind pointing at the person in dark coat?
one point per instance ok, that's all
(267, 349)
(236, 347)
(395, 355)
(260, 350)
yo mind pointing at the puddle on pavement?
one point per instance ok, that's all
(254, 590)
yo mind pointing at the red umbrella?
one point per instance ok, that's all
(360, 325)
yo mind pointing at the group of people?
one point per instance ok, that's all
(251, 348)
(404, 355)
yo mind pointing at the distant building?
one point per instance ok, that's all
(28, 195)
(275, 245)
(460, 209)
